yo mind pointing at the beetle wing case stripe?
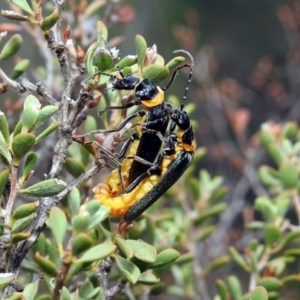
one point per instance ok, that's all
(175, 171)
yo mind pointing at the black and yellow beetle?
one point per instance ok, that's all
(158, 175)
(155, 118)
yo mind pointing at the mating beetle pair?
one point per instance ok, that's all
(146, 172)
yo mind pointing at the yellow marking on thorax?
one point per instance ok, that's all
(157, 100)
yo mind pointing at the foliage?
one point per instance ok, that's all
(57, 242)
(80, 256)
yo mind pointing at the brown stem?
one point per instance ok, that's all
(65, 266)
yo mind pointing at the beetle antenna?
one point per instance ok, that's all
(190, 75)
(175, 72)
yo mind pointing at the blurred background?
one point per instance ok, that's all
(247, 72)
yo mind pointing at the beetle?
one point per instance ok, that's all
(168, 167)
(142, 143)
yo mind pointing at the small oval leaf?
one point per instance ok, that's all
(80, 243)
(20, 68)
(165, 257)
(46, 188)
(32, 107)
(11, 47)
(58, 224)
(129, 270)
(45, 113)
(141, 48)
(143, 251)
(22, 143)
(46, 265)
(156, 73)
(148, 279)
(6, 278)
(98, 252)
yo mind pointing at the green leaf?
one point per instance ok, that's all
(222, 289)
(77, 268)
(46, 265)
(92, 8)
(74, 201)
(20, 236)
(54, 255)
(102, 60)
(288, 238)
(126, 249)
(141, 48)
(81, 222)
(98, 252)
(289, 130)
(259, 293)
(238, 259)
(29, 163)
(210, 212)
(25, 210)
(275, 153)
(218, 195)
(18, 128)
(267, 176)
(80, 243)
(165, 257)
(264, 205)
(99, 216)
(127, 61)
(46, 188)
(40, 244)
(93, 294)
(22, 143)
(148, 279)
(45, 113)
(23, 5)
(30, 291)
(74, 167)
(289, 175)
(266, 136)
(217, 263)
(44, 297)
(11, 47)
(4, 175)
(174, 62)
(234, 287)
(58, 225)
(102, 33)
(47, 131)
(205, 233)
(32, 107)
(65, 294)
(272, 233)
(20, 68)
(4, 129)
(3, 149)
(142, 251)
(270, 283)
(93, 206)
(22, 224)
(6, 278)
(156, 73)
(90, 124)
(48, 22)
(85, 289)
(15, 16)
(128, 269)
(184, 258)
